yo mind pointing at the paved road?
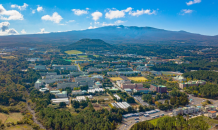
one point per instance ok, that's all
(78, 67)
(34, 117)
(197, 101)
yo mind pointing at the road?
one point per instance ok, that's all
(197, 101)
(78, 67)
(34, 117)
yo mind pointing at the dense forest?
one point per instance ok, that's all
(206, 91)
(209, 76)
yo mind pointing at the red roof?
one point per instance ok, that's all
(212, 111)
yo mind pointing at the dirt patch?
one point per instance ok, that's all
(3, 117)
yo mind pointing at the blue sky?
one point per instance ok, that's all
(35, 16)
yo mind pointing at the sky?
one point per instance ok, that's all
(44, 16)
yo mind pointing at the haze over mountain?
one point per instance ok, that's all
(113, 35)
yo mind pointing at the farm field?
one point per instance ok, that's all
(3, 117)
(19, 127)
(116, 78)
(139, 79)
(14, 117)
(73, 52)
(82, 56)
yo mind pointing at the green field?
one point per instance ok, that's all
(19, 127)
(82, 56)
(73, 52)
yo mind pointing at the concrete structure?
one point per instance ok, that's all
(76, 73)
(192, 83)
(186, 110)
(212, 114)
(155, 72)
(40, 67)
(51, 79)
(158, 88)
(123, 105)
(128, 72)
(119, 82)
(179, 78)
(67, 84)
(95, 90)
(142, 68)
(43, 89)
(141, 90)
(65, 67)
(59, 100)
(77, 92)
(132, 86)
(62, 94)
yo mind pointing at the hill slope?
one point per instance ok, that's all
(87, 45)
(113, 35)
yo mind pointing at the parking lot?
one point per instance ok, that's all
(129, 122)
(197, 101)
(139, 98)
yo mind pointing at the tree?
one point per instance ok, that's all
(62, 104)
(141, 108)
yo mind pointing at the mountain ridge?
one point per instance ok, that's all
(112, 35)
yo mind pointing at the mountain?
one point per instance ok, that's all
(88, 45)
(112, 35)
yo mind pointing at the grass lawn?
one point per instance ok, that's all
(116, 78)
(19, 127)
(73, 52)
(14, 117)
(3, 117)
(96, 55)
(154, 121)
(142, 79)
(82, 56)
(8, 57)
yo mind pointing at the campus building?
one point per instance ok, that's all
(158, 88)
(192, 83)
(65, 67)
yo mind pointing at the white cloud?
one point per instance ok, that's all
(96, 15)
(70, 21)
(9, 14)
(193, 2)
(20, 7)
(56, 18)
(107, 24)
(40, 8)
(186, 11)
(23, 31)
(5, 29)
(42, 30)
(92, 27)
(141, 12)
(119, 22)
(33, 11)
(112, 14)
(80, 12)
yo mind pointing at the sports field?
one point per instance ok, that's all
(138, 79)
(116, 78)
(73, 52)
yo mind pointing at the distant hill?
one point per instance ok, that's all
(113, 35)
(87, 45)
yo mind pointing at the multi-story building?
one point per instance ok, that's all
(40, 67)
(158, 88)
(132, 86)
(141, 90)
(212, 114)
(65, 67)
(192, 83)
